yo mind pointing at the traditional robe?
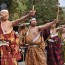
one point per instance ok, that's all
(35, 54)
(54, 47)
(9, 50)
(63, 50)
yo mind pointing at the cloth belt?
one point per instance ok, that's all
(4, 43)
(33, 45)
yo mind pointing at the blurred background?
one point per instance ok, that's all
(45, 9)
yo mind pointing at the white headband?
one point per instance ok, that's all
(32, 19)
(4, 10)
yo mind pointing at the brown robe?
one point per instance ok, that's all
(35, 54)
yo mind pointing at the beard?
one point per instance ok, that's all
(3, 19)
(33, 25)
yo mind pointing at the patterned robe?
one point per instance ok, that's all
(35, 54)
(63, 51)
(54, 56)
(10, 52)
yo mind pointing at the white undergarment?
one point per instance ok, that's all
(53, 35)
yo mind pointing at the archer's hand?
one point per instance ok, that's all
(32, 12)
(63, 26)
(56, 21)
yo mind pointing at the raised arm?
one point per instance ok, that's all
(31, 13)
(63, 26)
(47, 24)
(60, 28)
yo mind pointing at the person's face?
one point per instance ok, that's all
(5, 15)
(33, 23)
(53, 26)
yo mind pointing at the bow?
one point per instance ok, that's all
(58, 11)
(33, 4)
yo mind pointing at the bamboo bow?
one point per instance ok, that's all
(58, 11)
(33, 4)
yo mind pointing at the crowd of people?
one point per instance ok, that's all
(35, 38)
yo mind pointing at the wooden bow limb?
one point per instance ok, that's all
(33, 4)
(33, 7)
(56, 18)
(58, 11)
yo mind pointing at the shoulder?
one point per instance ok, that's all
(9, 23)
(37, 26)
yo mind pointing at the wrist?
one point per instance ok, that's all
(55, 21)
(29, 14)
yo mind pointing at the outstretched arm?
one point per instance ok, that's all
(31, 13)
(60, 28)
(63, 26)
(47, 25)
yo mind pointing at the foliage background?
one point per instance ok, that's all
(45, 9)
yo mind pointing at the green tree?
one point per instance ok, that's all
(45, 9)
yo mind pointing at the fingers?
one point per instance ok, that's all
(32, 12)
(56, 20)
